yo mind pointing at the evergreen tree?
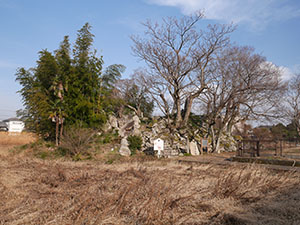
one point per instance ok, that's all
(63, 89)
(84, 86)
(110, 98)
(36, 92)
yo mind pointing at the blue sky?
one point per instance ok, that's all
(272, 27)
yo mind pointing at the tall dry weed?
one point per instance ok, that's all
(250, 183)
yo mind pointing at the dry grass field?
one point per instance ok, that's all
(35, 191)
(16, 138)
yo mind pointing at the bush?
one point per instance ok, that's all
(108, 137)
(60, 152)
(42, 154)
(135, 143)
(77, 141)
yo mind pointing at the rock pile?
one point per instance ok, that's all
(175, 142)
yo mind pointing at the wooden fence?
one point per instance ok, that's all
(257, 148)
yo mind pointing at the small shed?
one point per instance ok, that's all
(14, 125)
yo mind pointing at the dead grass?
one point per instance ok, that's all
(34, 191)
(16, 138)
(248, 184)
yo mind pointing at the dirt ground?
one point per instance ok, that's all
(35, 191)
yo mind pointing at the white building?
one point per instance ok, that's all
(14, 125)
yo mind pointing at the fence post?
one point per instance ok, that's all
(242, 149)
(280, 148)
(257, 148)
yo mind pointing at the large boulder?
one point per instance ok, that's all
(194, 148)
(124, 150)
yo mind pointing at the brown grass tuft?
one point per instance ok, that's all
(248, 184)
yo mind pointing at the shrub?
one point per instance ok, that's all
(108, 137)
(60, 152)
(77, 141)
(42, 154)
(135, 143)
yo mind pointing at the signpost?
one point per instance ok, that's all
(158, 146)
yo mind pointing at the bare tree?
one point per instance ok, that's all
(178, 55)
(244, 86)
(135, 95)
(293, 100)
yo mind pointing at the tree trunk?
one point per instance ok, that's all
(178, 115)
(298, 128)
(219, 136)
(56, 130)
(61, 130)
(218, 145)
(215, 139)
(187, 110)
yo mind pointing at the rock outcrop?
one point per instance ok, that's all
(176, 142)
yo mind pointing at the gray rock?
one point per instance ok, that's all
(113, 121)
(194, 148)
(122, 133)
(124, 142)
(136, 125)
(124, 150)
(136, 121)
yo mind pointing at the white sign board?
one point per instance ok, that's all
(159, 145)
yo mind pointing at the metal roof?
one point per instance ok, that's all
(11, 119)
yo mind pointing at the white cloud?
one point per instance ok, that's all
(256, 13)
(286, 73)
